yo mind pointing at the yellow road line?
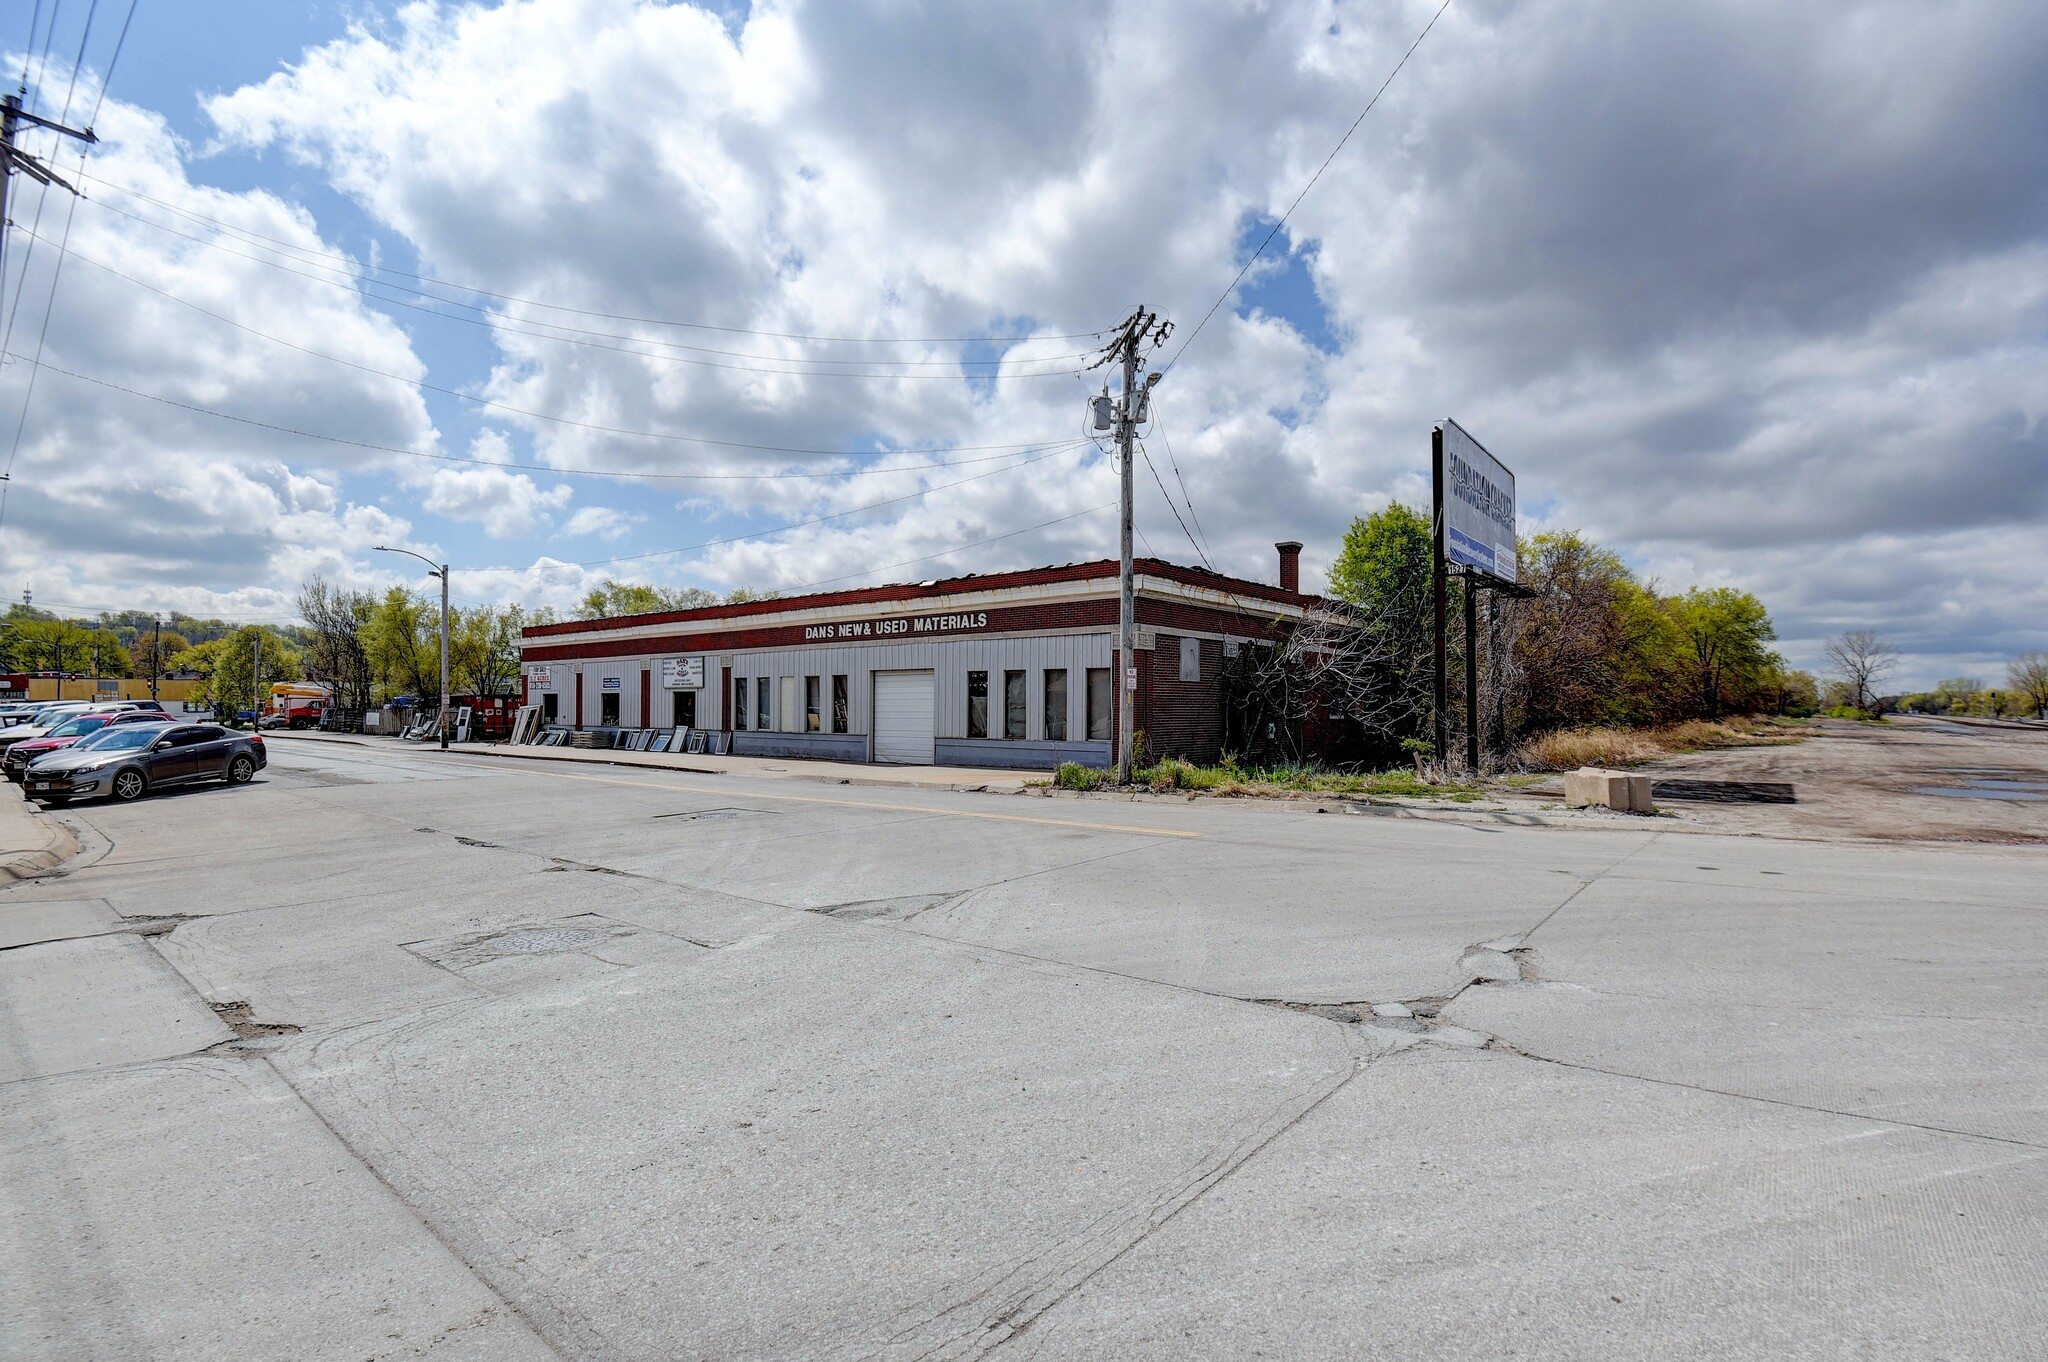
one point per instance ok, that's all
(854, 803)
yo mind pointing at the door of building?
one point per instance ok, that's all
(685, 708)
(904, 713)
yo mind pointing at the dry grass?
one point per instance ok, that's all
(1571, 748)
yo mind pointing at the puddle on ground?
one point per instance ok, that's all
(1988, 789)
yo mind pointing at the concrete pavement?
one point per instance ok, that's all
(549, 1060)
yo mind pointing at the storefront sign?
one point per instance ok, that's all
(682, 673)
(612, 683)
(911, 624)
(540, 678)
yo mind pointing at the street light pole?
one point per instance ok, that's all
(438, 570)
(444, 657)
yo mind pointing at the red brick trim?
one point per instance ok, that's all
(1071, 572)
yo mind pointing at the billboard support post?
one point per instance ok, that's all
(1471, 675)
(1437, 586)
(1474, 527)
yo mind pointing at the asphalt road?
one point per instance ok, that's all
(397, 1054)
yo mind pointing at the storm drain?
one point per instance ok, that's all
(541, 940)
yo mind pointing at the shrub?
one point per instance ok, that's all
(1072, 775)
(1175, 774)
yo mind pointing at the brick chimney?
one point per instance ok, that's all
(1290, 566)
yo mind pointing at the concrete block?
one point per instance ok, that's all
(1592, 787)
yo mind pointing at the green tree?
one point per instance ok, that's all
(1383, 572)
(403, 641)
(53, 645)
(153, 658)
(483, 649)
(1574, 641)
(1721, 660)
(227, 667)
(615, 598)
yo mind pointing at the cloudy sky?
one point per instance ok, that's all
(796, 293)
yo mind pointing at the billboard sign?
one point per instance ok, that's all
(682, 673)
(1479, 506)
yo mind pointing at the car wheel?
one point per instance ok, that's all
(128, 785)
(241, 771)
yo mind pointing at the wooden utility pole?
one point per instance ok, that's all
(1127, 593)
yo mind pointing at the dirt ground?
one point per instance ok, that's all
(1851, 781)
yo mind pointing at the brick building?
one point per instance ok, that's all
(1011, 669)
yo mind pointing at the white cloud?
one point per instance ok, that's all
(601, 521)
(508, 505)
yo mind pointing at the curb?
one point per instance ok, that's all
(516, 754)
(46, 843)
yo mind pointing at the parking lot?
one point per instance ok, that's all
(397, 1053)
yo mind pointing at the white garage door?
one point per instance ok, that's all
(903, 717)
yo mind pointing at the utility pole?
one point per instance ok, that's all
(13, 158)
(1126, 580)
(156, 657)
(256, 681)
(1132, 408)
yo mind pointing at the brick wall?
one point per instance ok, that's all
(1181, 718)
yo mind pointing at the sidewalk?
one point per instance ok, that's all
(31, 842)
(767, 768)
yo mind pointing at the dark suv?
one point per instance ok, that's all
(129, 760)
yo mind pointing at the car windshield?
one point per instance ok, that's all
(79, 727)
(122, 737)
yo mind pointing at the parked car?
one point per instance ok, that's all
(44, 719)
(130, 760)
(14, 760)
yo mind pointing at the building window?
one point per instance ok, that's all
(813, 720)
(1013, 704)
(839, 704)
(739, 702)
(977, 704)
(1056, 706)
(685, 706)
(1191, 659)
(608, 710)
(1098, 704)
(761, 703)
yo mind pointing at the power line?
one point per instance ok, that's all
(578, 311)
(820, 520)
(1310, 185)
(566, 340)
(1187, 500)
(70, 215)
(1147, 455)
(28, 49)
(570, 335)
(1010, 450)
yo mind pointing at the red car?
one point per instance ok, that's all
(22, 753)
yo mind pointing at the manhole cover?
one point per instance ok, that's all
(542, 940)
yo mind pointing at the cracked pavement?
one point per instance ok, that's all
(397, 1054)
